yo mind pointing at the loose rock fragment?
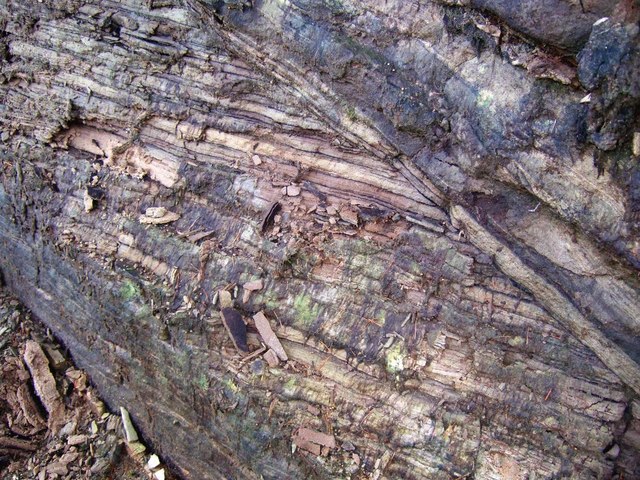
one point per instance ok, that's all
(56, 358)
(249, 287)
(269, 216)
(57, 468)
(271, 358)
(154, 462)
(246, 295)
(256, 160)
(253, 285)
(16, 443)
(69, 428)
(312, 441)
(96, 404)
(88, 201)
(129, 430)
(236, 328)
(29, 408)
(45, 384)
(158, 216)
(196, 237)
(348, 446)
(225, 299)
(293, 190)
(613, 452)
(636, 144)
(155, 212)
(257, 367)
(76, 439)
(69, 457)
(349, 216)
(78, 377)
(136, 448)
(308, 446)
(314, 436)
(270, 339)
(159, 475)
(113, 422)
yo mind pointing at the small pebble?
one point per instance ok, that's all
(293, 190)
(348, 446)
(258, 367)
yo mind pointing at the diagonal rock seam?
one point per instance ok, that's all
(553, 300)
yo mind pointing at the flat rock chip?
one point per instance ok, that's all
(225, 299)
(155, 212)
(269, 216)
(271, 358)
(44, 384)
(253, 285)
(77, 439)
(236, 328)
(249, 287)
(349, 216)
(129, 429)
(293, 190)
(168, 217)
(313, 441)
(29, 408)
(314, 436)
(270, 338)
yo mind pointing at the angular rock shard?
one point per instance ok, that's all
(268, 336)
(45, 385)
(129, 429)
(236, 328)
(312, 440)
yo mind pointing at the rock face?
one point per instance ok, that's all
(444, 216)
(565, 24)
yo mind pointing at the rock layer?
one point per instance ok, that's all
(431, 148)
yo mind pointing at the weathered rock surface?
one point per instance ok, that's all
(561, 23)
(454, 282)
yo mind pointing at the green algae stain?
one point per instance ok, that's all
(269, 298)
(230, 385)
(351, 114)
(129, 291)
(203, 382)
(289, 387)
(516, 341)
(395, 357)
(306, 313)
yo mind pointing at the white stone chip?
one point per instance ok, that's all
(129, 430)
(154, 462)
